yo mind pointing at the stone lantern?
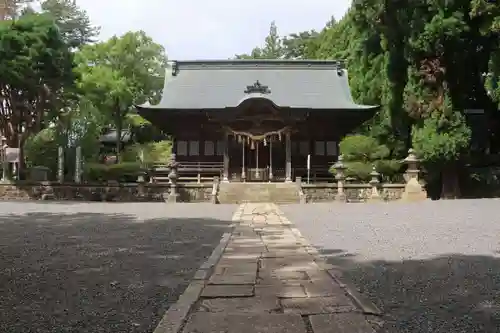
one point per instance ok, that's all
(413, 189)
(340, 177)
(413, 162)
(374, 182)
(173, 176)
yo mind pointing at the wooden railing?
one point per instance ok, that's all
(317, 173)
(190, 171)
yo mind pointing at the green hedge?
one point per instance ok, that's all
(121, 172)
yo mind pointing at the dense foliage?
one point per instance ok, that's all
(120, 73)
(148, 153)
(61, 88)
(425, 63)
(364, 153)
(36, 70)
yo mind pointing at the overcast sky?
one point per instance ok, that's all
(217, 29)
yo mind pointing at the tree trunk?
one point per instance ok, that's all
(450, 188)
(118, 124)
(21, 166)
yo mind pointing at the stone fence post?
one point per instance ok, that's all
(5, 164)
(302, 195)
(141, 186)
(78, 164)
(215, 190)
(413, 190)
(60, 164)
(340, 177)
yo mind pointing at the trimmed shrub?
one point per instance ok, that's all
(121, 172)
(361, 153)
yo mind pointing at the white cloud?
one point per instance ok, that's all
(197, 29)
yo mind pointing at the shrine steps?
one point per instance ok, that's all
(237, 193)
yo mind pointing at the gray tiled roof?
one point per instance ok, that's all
(111, 136)
(219, 84)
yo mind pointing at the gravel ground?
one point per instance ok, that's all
(95, 267)
(431, 266)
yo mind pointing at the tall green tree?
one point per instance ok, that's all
(272, 49)
(435, 51)
(300, 45)
(360, 47)
(73, 22)
(273, 44)
(36, 67)
(120, 73)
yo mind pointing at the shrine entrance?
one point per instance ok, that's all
(258, 136)
(258, 161)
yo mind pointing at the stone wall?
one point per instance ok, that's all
(131, 192)
(354, 192)
(188, 192)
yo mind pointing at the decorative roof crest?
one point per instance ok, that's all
(258, 88)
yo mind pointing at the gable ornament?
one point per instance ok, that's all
(257, 88)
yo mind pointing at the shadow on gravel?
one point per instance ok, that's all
(88, 272)
(447, 294)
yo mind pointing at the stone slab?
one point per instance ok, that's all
(299, 263)
(320, 275)
(245, 250)
(239, 240)
(286, 253)
(217, 253)
(201, 274)
(290, 291)
(236, 268)
(241, 256)
(174, 317)
(281, 290)
(267, 280)
(204, 322)
(214, 291)
(231, 279)
(317, 305)
(240, 305)
(340, 322)
(323, 288)
(289, 275)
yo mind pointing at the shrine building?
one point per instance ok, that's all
(256, 120)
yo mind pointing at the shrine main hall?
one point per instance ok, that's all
(256, 120)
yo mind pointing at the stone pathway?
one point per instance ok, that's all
(269, 279)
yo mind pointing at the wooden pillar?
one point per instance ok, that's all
(243, 169)
(225, 174)
(174, 146)
(257, 170)
(288, 164)
(270, 160)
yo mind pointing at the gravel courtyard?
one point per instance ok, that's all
(431, 267)
(95, 267)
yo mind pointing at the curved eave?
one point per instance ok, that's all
(349, 108)
(257, 96)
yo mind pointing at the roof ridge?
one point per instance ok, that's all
(281, 64)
